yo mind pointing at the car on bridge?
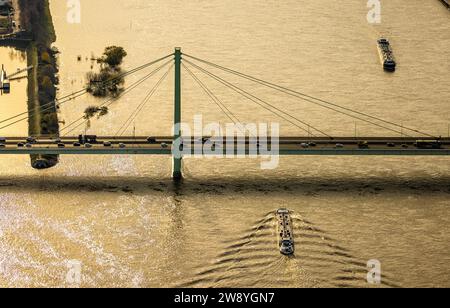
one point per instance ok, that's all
(87, 139)
(151, 140)
(363, 145)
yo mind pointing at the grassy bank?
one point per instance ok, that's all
(33, 90)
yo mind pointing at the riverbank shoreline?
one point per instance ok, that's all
(42, 81)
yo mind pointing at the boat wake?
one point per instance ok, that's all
(254, 260)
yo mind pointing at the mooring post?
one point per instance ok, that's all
(177, 159)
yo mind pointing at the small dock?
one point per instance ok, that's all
(5, 78)
(446, 3)
(4, 81)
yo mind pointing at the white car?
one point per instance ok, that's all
(304, 145)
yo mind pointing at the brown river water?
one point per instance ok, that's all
(127, 224)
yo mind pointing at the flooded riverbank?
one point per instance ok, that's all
(16, 101)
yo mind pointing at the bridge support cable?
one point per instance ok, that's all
(108, 102)
(262, 103)
(139, 108)
(327, 107)
(64, 99)
(315, 100)
(32, 115)
(228, 113)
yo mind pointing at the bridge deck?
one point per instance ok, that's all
(287, 146)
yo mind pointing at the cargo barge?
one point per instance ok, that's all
(285, 232)
(386, 55)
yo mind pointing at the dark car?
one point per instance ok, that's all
(363, 145)
(151, 140)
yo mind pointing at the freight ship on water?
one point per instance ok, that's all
(386, 55)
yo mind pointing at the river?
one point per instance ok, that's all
(127, 224)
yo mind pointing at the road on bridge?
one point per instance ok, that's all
(286, 146)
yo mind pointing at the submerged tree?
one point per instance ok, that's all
(93, 111)
(109, 81)
(113, 56)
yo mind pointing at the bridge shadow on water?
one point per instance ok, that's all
(273, 185)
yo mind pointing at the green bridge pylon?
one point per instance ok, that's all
(177, 159)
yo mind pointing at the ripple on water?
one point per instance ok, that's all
(253, 260)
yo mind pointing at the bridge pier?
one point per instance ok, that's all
(177, 166)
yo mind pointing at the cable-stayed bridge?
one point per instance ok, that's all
(312, 141)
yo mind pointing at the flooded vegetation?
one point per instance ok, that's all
(109, 81)
(95, 111)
